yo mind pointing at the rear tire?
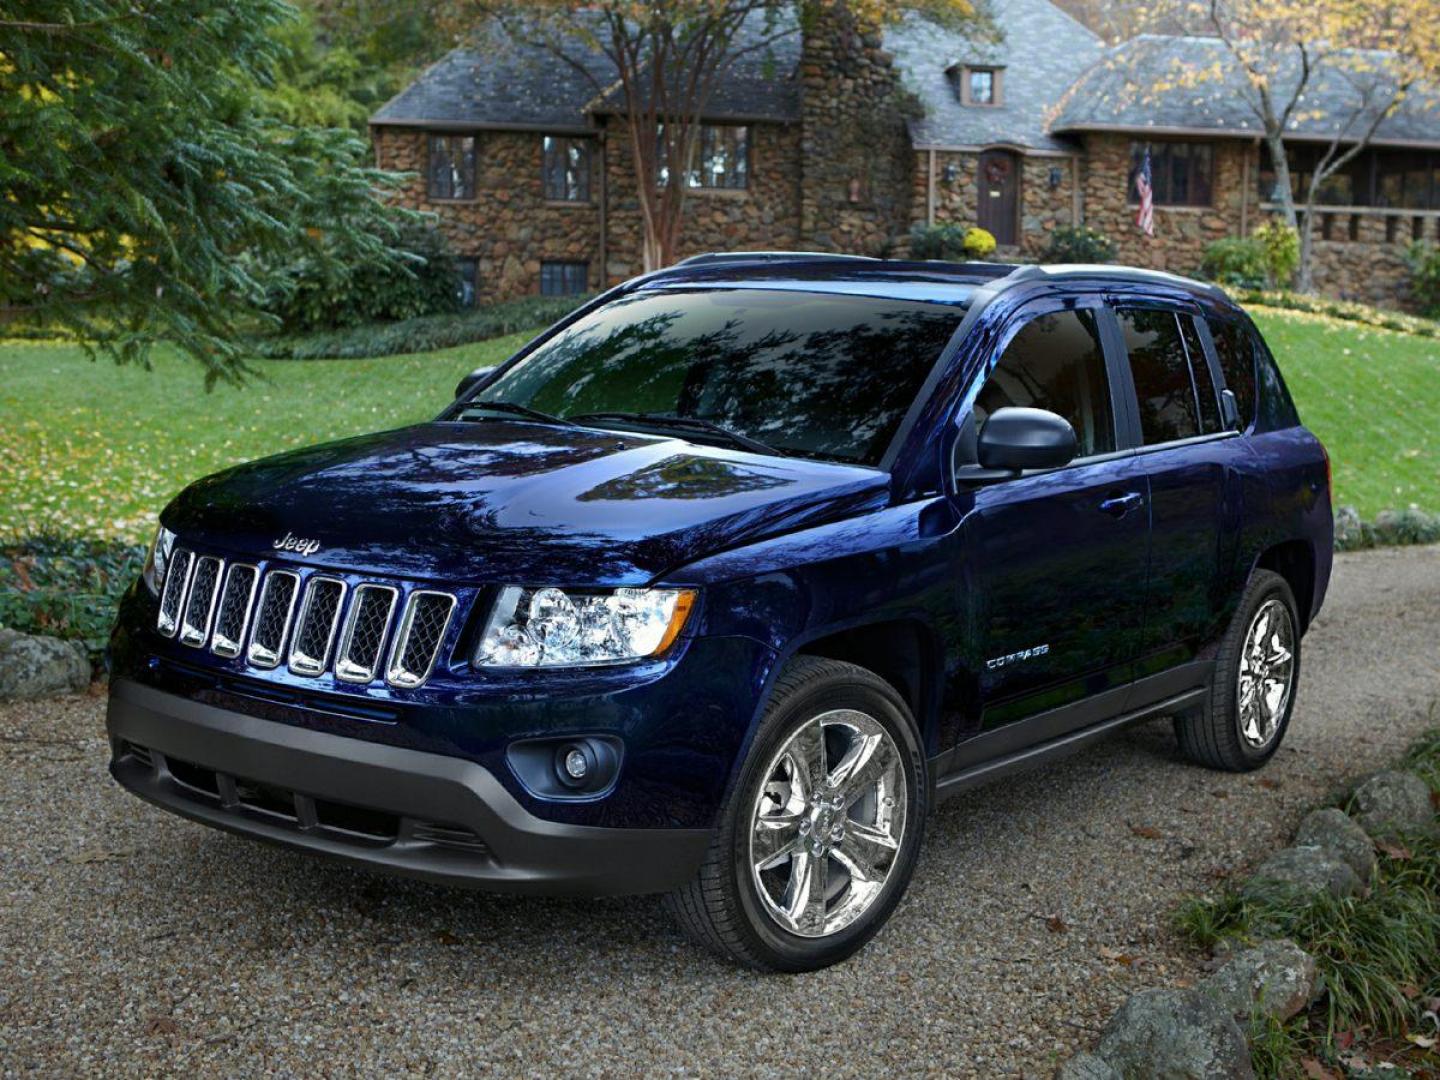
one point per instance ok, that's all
(814, 848)
(1252, 690)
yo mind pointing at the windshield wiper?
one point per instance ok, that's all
(690, 424)
(517, 410)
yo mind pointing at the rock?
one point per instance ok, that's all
(1349, 533)
(1276, 978)
(1391, 804)
(1334, 831)
(1175, 1035)
(1303, 872)
(34, 666)
(1086, 1066)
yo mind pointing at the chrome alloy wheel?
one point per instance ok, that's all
(823, 836)
(1267, 673)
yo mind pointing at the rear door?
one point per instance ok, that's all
(1188, 457)
(1054, 563)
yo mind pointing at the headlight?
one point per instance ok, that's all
(158, 559)
(532, 628)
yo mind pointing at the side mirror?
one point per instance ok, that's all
(1015, 439)
(471, 381)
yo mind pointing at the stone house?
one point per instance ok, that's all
(836, 139)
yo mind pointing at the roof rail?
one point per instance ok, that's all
(713, 258)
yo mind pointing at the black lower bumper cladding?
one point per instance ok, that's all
(402, 811)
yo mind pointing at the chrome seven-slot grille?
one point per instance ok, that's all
(274, 618)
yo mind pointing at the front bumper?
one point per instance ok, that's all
(393, 809)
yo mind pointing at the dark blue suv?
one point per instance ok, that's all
(716, 587)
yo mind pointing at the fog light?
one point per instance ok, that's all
(575, 764)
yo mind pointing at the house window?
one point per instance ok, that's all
(722, 158)
(467, 273)
(567, 169)
(1397, 179)
(980, 86)
(564, 278)
(1181, 173)
(452, 166)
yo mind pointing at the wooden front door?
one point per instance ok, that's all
(999, 203)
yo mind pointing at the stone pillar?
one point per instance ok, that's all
(856, 163)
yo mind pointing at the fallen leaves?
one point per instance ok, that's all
(1147, 832)
(1316, 1071)
(1056, 925)
(1399, 852)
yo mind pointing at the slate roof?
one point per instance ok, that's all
(503, 83)
(1139, 85)
(1042, 49)
(763, 84)
(500, 83)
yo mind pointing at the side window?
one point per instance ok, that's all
(1200, 370)
(1056, 362)
(1237, 365)
(1161, 372)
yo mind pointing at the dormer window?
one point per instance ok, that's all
(978, 85)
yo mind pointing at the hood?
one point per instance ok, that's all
(502, 500)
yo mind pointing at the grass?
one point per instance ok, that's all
(95, 450)
(92, 450)
(1373, 397)
(1379, 952)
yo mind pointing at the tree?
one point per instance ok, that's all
(665, 61)
(1346, 65)
(148, 196)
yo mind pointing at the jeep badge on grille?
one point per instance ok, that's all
(291, 542)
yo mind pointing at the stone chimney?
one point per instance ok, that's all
(855, 153)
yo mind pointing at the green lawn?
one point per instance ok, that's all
(96, 450)
(1373, 397)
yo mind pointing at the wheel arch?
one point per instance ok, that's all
(1294, 560)
(903, 651)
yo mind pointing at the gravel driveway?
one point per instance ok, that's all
(134, 943)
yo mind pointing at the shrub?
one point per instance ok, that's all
(1424, 262)
(1347, 310)
(1236, 261)
(1079, 244)
(424, 334)
(1281, 245)
(65, 587)
(951, 242)
(315, 293)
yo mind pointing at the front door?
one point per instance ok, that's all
(1054, 570)
(999, 206)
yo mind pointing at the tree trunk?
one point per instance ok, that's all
(1304, 275)
(1276, 145)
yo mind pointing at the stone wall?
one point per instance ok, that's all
(856, 158)
(1181, 233)
(765, 215)
(1366, 264)
(509, 227)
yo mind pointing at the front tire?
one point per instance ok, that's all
(819, 839)
(1252, 692)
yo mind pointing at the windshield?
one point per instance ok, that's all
(815, 374)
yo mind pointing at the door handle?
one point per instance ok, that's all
(1120, 505)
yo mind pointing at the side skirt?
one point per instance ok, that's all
(959, 770)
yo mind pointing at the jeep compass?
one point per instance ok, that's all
(718, 586)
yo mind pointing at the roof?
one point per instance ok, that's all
(1041, 48)
(1142, 85)
(502, 82)
(762, 84)
(933, 280)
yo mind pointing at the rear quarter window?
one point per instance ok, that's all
(1236, 352)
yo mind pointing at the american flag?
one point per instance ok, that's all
(1145, 217)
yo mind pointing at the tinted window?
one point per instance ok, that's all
(1161, 373)
(1200, 371)
(1237, 365)
(1056, 362)
(812, 373)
